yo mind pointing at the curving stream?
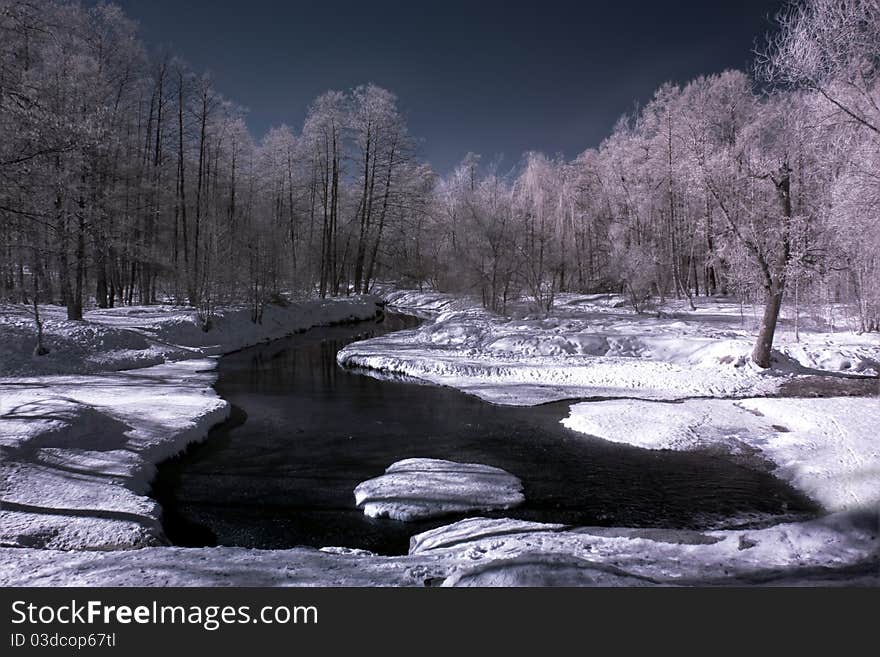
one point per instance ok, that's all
(304, 433)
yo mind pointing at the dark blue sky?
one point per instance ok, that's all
(497, 78)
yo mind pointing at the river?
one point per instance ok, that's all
(304, 432)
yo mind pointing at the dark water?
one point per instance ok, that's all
(305, 432)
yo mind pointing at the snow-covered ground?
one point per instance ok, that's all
(827, 448)
(593, 346)
(835, 550)
(79, 442)
(140, 336)
(505, 553)
(424, 488)
(79, 452)
(78, 448)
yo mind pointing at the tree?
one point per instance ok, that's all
(323, 136)
(831, 49)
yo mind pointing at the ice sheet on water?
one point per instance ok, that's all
(424, 488)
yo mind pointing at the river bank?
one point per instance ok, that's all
(78, 448)
(51, 466)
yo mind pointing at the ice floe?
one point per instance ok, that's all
(425, 488)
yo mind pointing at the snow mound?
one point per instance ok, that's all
(473, 529)
(427, 303)
(827, 448)
(425, 488)
(502, 552)
(539, 569)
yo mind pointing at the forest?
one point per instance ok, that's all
(127, 178)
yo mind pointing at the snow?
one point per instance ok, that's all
(828, 448)
(592, 346)
(475, 529)
(426, 488)
(543, 569)
(79, 440)
(140, 336)
(495, 552)
(79, 452)
(222, 566)
(426, 303)
(837, 549)
(78, 447)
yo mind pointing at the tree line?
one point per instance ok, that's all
(762, 185)
(127, 178)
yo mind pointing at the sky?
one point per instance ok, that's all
(496, 78)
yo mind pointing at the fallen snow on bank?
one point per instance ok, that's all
(827, 448)
(426, 488)
(513, 553)
(427, 303)
(593, 346)
(140, 336)
(838, 549)
(78, 451)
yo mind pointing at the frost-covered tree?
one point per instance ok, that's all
(831, 49)
(126, 177)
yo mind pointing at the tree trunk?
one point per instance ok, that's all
(364, 216)
(195, 285)
(181, 189)
(75, 304)
(39, 349)
(101, 288)
(764, 344)
(775, 279)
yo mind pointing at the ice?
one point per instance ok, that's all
(425, 488)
